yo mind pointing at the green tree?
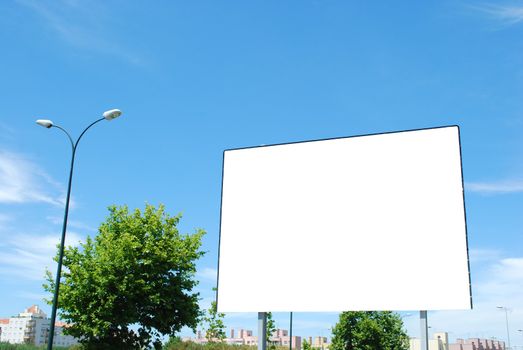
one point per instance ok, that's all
(271, 328)
(132, 283)
(306, 345)
(371, 330)
(214, 323)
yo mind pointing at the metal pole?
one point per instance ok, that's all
(508, 332)
(64, 229)
(60, 257)
(506, 319)
(262, 331)
(290, 335)
(424, 330)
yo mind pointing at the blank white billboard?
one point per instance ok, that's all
(373, 222)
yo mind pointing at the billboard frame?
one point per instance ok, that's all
(351, 137)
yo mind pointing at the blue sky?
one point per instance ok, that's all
(195, 78)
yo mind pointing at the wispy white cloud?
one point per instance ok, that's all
(27, 256)
(21, 181)
(506, 14)
(45, 244)
(500, 187)
(505, 283)
(58, 220)
(500, 285)
(82, 24)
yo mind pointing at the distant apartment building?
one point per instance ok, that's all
(244, 337)
(440, 341)
(477, 344)
(241, 337)
(281, 337)
(32, 327)
(320, 343)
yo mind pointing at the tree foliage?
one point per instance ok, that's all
(132, 283)
(371, 330)
(271, 328)
(213, 320)
(305, 345)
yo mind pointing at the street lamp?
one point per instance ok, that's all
(506, 318)
(107, 115)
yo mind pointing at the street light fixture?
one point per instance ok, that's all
(506, 318)
(112, 114)
(45, 123)
(108, 115)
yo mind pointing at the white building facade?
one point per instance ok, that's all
(32, 327)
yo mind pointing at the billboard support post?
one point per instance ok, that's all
(424, 330)
(262, 331)
(290, 335)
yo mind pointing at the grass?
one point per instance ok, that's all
(8, 346)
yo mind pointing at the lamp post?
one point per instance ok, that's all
(108, 115)
(506, 319)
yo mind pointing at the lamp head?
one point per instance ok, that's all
(112, 114)
(45, 123)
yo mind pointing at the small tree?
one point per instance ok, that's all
(359, 330)
(132, 283)
(306, 346)
(214, 322)
(271, 328)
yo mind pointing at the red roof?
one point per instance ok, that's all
(33, 309)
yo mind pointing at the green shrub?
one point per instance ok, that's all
(177, 344)
(8, 346)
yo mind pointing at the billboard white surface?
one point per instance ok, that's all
(372, 222)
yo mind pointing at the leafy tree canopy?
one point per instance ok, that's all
(369, 330)
(214, 322)
(132, 283)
